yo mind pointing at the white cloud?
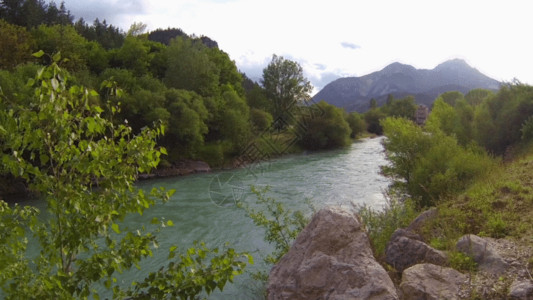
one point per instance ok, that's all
(349, 45)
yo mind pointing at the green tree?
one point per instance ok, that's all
(285, 86)
(356, 123)
(189, 68)
(261, 120)
(187, 124)
(16, 45)
(498, 119)
(404, 108)
(372, 120)
(374, 103)
(64, 39)
(84, 167)
(429, 165)
(134, 55)
(451, 97)
(327, 131)
(477, 96)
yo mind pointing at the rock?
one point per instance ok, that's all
(330, 259)
(428, 281)
(483, 253)
(406, 249)
(422, 219)
(521, 290)
(184, 167)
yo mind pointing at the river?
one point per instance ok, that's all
(203, 207)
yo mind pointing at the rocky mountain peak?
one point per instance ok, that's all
(401, 80)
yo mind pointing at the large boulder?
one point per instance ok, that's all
(428, 282)
(483, 253)
(406, 249)
(330, 259)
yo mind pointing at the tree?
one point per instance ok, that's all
(429, 165)
(137, 29)
(357, 124)
(84, 167)
(15, 45)
(451, 97)
(477, 96)
(327, 131)
(64, 39)
(404, 108)
(285, 86)
(190, 68)
(374, 103)
(372, 120)
(134, 55)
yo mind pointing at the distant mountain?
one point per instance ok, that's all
(354, 93)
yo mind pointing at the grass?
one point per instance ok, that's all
(498, 205)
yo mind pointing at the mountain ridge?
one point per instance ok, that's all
(401, 80)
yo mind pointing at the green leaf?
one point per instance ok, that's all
(170, 223)
(115, 228)
(57, 57)
(38, 54)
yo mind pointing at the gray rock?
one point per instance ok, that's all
(422, 219)
(428, 282)
(330, 259)
(483, 253)
(521, 290)
(406, 249)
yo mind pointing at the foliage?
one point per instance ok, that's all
(15, 45)
(380, 224)
(430, 165)
(452, 120)
(327, 130)
(285, 86)
(404, 108)
(190, 68)
(451, 97)
(527, 129)
(372, 120)
(477, 96)
(461, 261)
(109, 36)
(356, 123)
(84, 166)
(31, 13)
(64, 39)
(498, 120)
(282, 225)
(261, 120)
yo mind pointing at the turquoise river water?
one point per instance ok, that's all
(203, 207)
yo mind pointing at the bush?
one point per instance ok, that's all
(430, 165)
(381, 224)
(325, 131)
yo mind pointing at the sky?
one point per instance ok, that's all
(340, 38)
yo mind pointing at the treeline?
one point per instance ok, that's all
(463, 138)
(187, 83)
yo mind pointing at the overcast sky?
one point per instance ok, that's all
(338, 38)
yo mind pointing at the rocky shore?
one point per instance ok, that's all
(185, 167)
(332, 259)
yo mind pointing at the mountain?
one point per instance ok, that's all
(354, 93)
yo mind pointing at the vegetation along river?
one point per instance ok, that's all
(203, 207)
